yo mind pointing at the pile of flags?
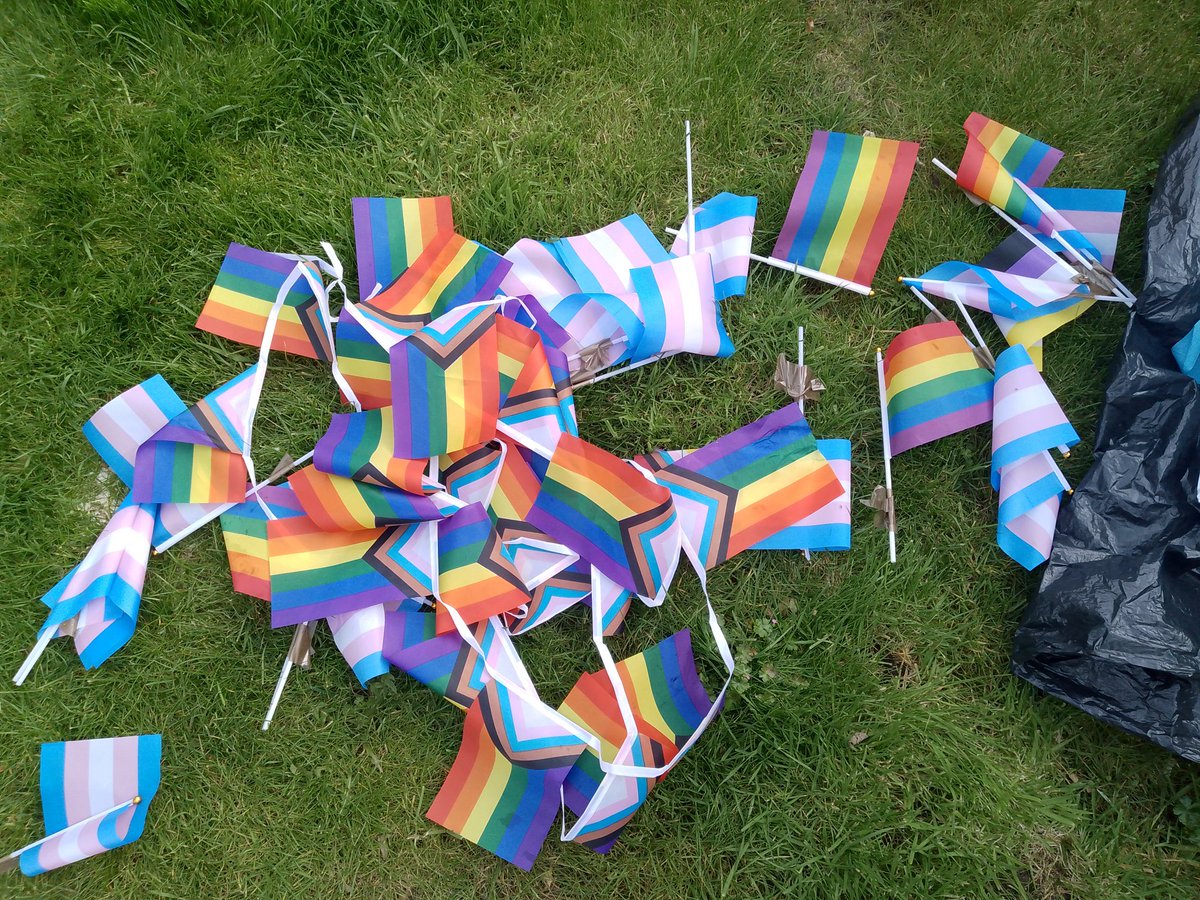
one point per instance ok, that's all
(456, 507)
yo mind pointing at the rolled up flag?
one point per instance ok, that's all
(1001, 293)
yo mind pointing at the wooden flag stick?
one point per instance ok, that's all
(887, 456)
(800, 399)
(92, 818)
(302, 634)
(691, 219)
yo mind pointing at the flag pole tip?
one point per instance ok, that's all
(872, 293)
(899, 281)
(878, 349)
(137, 799)
(1067, 455)
(1071, 491)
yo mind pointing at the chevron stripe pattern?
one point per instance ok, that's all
(335, 503)
(476, 574)
(361, 445)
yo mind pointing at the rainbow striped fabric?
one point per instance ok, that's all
(668, 702)
(361, 445)
(127, 421)
(96, 795)
(746, 486)
(97, 602)
(1016, 255)
(451, 272)
(445, 384)
(240, 302)
(317, 573)
(845, 204)
(829, 527)
(680, 313)
(610, 514)
(359, 637)
(196, 457)
(935, 386)
(600, 261)
(530, 401)
(537, 272)
(1026, 423)
(476, 574)
(1004, 167)
(362, 359)
(1001, 293)
(502, 792)
(244, 530)
(445, 663)
(516, 488)
(335, 503)
(724, 229)
(391, 232)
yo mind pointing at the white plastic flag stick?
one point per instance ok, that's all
(627, 368)
(691, 219)
(34, 655)
(798, 269)
(887, 456)
(800, 399)
(303, 632)
(983, 347)
(100, 815)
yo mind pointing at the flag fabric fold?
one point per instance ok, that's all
(680, 313)
(724, 229)
(1001, 293)
(390, 234)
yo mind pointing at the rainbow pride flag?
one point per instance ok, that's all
(359, 638)
(556, 594)
(361, 445)
(935, 386)
(502, 792)
(748, 485)
(445, 663)
(829, 527)
(241, 299)
(1026, 423)
(668, 702)
(450, 272)
(530, 401)
(845, 204)
(244, 530)
(679, 309)
(335, 503)
(446, 384)
(97, 602)
(476, 574)
(390, 233)
(317, 573)
(362, 359)
(724, 230)
(611, 515)
(516, 488)
(96, 796)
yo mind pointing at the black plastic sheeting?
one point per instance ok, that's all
(1115, 626)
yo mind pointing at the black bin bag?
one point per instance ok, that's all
(1115, 626)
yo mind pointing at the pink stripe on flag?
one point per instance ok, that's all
(941, 427)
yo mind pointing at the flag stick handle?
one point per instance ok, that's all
(1057, 471)
(288, 662)
(887, 454)
(1058, 260)
(800, 399)
(929, 305)
(691, 219)
(611, 373)
(975, 331)
(798, 269)
(100, 815)
(34, 655)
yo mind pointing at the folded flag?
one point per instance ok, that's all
(679, 309)
(829, 527)
(197, 456)
(246, 288)
(1093, 212)
(558, 593)
(476, 574)
(97, 602)
(96, 795)
(446, 385)
(1027, 422)
(363, 359)
(748, 485)
(606, 328)
(530, 402)
(935, 386)
(724, 227)
(334, 503)
(391, 232)
(1001, 293)
(450, 272)
(1004, 167)
(611, 515)
(244, 530)
(471, 475)
(845, 204)
(503, 790)
(361, 445)
(537, 271)
(127, 421)
(600, 261)
(359, 637)
(317, 573)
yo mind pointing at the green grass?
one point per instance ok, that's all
(137, 140)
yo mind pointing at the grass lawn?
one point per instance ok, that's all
(134, 145)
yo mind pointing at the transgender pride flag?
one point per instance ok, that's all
(95, 797)
(724, 230)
